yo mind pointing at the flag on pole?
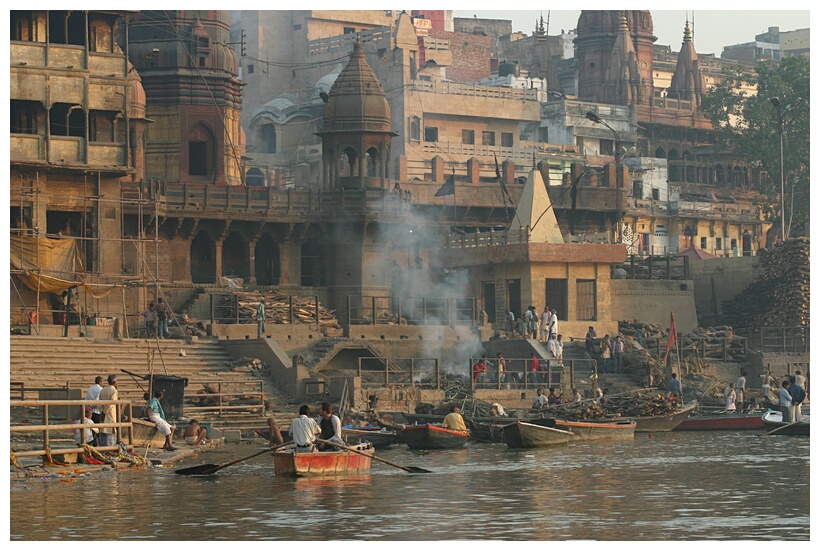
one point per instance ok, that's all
(673, 337)
(449, 187)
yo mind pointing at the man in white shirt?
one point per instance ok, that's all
(94, 394)
(553, 323)
(90, 432)
(540, 401)
(552, 349)
(740, 389)
(544, 324)
(304, 429)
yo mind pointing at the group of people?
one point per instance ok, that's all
(610, 351)
(95, 414)
(531, 325)
(541, 402)
(486, 372)
(304, 429)
(156, 319)
(791, 398)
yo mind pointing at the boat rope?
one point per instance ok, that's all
(16, 464)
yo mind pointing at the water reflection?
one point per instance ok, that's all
(687, 486)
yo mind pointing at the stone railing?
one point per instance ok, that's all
(324, 45)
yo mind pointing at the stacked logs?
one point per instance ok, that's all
(780, 294)
(645, 404)
(277, 309)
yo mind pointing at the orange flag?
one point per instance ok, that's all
(673, 337)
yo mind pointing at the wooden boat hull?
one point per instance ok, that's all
(527, 435)
(744, 421)
(619, 430)
(664, 423)
(773, 420)
(381, 439)
(146, 433)
(340, 463)
(431, 437)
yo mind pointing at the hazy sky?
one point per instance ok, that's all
(713, 29)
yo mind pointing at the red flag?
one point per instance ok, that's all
(673, 337)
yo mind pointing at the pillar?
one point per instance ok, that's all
(473, 171)
(290, 264)
(252, 263)
(437, 164)
(508, 172)
(610, 175)
(402, 173)
(218, 259)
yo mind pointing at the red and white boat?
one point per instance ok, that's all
(338, 463)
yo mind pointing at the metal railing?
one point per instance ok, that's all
(46, 428)
(225, 309)
(656, 267)
(373, 310)
(519, 376)
(419, 372)
(777, 338)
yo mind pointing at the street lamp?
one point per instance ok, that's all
(780, 112)
(591, 115)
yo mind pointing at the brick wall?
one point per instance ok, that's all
(471, 55)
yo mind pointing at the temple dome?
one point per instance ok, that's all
(136, 94)
(325, 83)
(356, 101)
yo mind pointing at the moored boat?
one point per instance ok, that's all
(432, 437)
(664, 423)
(615, 430)
(146, 434)
(773, 421)
(338, 463)
(528, 435)
(380, 438)
(723, 421)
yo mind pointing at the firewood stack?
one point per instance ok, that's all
(780, 295)
(646, 404)
(277, 309)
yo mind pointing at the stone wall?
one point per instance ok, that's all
(720, 279)
(651, 301)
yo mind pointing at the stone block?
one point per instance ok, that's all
(232, 436)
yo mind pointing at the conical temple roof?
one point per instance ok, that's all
(356, 101)
(534, 212)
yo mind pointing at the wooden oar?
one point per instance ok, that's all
(210, 468)
(780, 428)
(354, 450)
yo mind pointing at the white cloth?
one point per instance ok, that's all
(304, 429)
(162, 425)
(94, 394)
(110, 410)
(89, 432)
(337, 430)
(553, 324)
(552, 348)
(785, 398)
(730, 395)
(539, 402)
(560, 345)
(800, 381)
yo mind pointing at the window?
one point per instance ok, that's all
(250, 69)
(101, 36)
(607, 147)
(487, 138)
(703, 243)
(24, 116)
(297, 26)
(202, 62)
(267, 138)
(506, 139)
(656, 194)
(67, 120)
(101, 126)
(468, 136)
(719, 243)
(556, 293)
(585, 300)
(22, 26)
(202, 42)
(415, 129)
(197, 159)
(349, 30)
(430, 134)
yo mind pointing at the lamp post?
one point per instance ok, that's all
(780, 112)
(591, 115)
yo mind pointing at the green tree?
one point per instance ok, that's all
(747, 123)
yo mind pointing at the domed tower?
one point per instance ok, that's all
(356, 133)
(189, 73)
(597, 34)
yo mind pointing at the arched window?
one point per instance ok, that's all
(372, 159)
(267, 139)
(660, 153)
(719, 174)
(352, 161)
(201, 151)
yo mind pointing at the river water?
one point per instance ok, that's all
(667, 486)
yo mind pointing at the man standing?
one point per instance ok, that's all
(798, 397)
(157, 416)
(553, 325)
(330, 426)
(108, 435)
(589, 341)
(676, 388)
(786, 406)
(501, 366)
(533, 370)
(163, 312)
(260, 319)
(606, 353)
(767, 384)
(618, 353)
(731, 396)
(479, 369)
(543, 334)
(150, 315)
(510, 319)
(454, 420)
(552, 350)
(94, 394)
(740, 388)
(534, 322)
(304, 429)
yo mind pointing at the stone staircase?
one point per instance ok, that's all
(57, 362)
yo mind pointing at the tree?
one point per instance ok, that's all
(747, 123)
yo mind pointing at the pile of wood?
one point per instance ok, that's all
(577, 411)
(248, 365)
(644, 404)
(277, 309)
(780, 294)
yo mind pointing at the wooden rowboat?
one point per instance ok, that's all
(339, 463)
(145, 433)
(723, 421)
(432, 437)
(527, 435)
(380, 438)
(773, 420)
(664, 423)
(616, 430)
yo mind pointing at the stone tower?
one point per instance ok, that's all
(594, 45)
(687, 82)
(189, 73)
(356, 134)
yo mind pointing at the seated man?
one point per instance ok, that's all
(331, 427)
(157, 416)
(304, 429)
(275, 437)
(194, 434)
(454, 420)
(540, 401)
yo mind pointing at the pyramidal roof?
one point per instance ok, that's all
(535, 213)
